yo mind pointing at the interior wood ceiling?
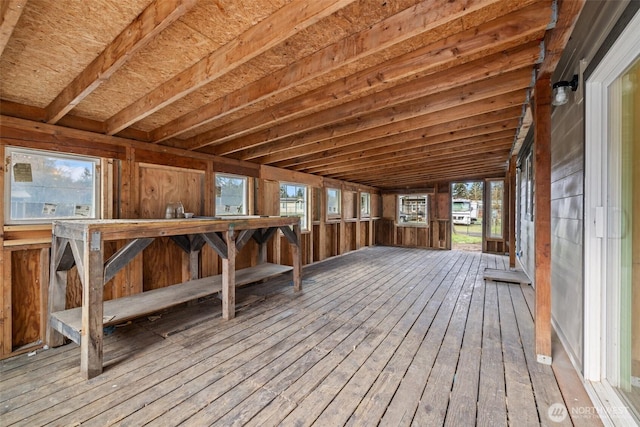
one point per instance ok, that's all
(389, 93)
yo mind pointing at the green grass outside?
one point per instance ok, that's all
(463, 238)
(467, 234)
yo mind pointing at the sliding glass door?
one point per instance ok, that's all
(612, 230)
(623, 236)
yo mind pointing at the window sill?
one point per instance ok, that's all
(404, 224)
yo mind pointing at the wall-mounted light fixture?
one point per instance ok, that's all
(561, 90)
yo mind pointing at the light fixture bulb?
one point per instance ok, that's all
(560, 95)
(561, 90)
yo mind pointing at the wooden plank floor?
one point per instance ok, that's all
(381, 336)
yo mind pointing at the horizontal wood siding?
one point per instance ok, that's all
(567, 179)
(526, 238)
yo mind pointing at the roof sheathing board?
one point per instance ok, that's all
(174, 50)
(54, 41)
(439, 44)
(328, 31)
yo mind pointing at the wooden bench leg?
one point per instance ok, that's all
(297, 259)
(229, 278)
(92, 307)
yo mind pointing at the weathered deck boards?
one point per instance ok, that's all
(394, 336)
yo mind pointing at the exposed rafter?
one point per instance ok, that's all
(10, 11)
(457, 47)
(403, 93)
(273, 30)
(385, 124)
(155, 18)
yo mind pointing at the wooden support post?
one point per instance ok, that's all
(297, 258)
(542, 215)
(92, 309)
(358, 230)
(262, 246)
(5, 276)
(512, 212)
(194, 265)
(45, 263)
(322, 226)
(341, 232)
(5, 300)
(229, 277)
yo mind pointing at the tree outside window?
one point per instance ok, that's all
(496, 207)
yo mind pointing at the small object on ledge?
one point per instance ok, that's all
(179, 210)
(170, 211)
(188, 214)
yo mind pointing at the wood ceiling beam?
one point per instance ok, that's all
(497, 147)
(259, 38)
(418, 168)
(474, 71)
(555, 42)
(151, 22)
(426, 178)
(10, 12)
(408, 187)
(428, 15)
(463, 128)
(412, 139)
(499, 35)
(453, 148)
(433, 172)
(294, 147)
(437, 163)
(417, 147)
(452, 98)
(37, 114)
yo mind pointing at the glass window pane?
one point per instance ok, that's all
(412, 210)
(231, 195)
(333, 202)
(623, 247)
(496, 202)
(293, 202)
(46, 186)
(365, 204)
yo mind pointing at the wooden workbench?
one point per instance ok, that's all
(81, 243)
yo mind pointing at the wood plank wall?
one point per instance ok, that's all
(437, 232)
(138, 182)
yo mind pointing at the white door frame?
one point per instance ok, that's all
(597, 133)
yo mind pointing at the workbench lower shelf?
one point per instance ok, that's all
(69, 322)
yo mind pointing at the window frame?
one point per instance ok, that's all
(490, 210)
(365, 212)
(529, 187)
(338, 214)
(304, 220)
(96, 203)
(245, 194)
(399, 213)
